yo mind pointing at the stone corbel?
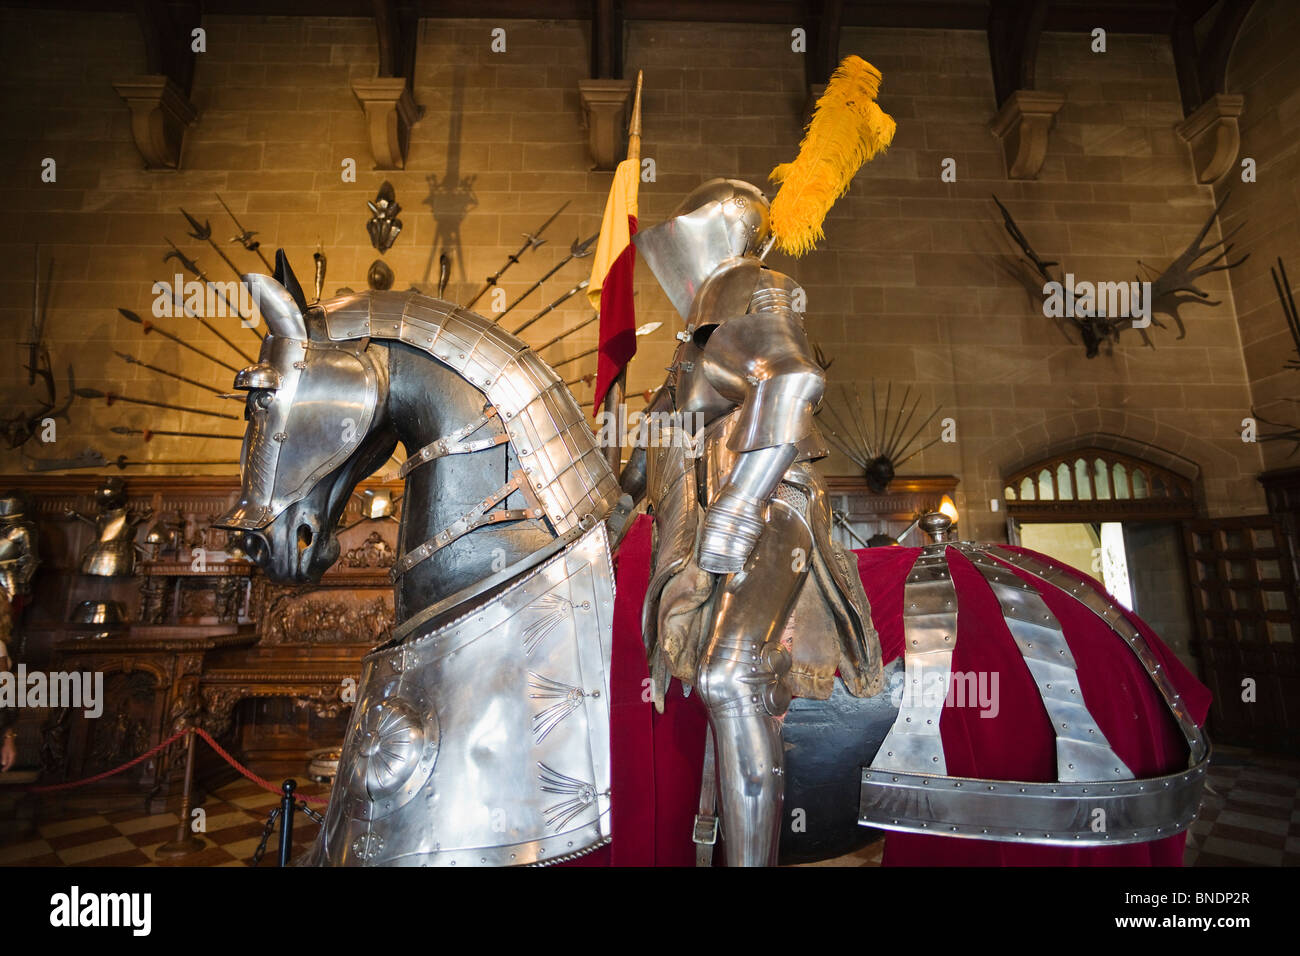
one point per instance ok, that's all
(160, 113)
(1213, 136)
(1022, 125)
(604, 114)
(390, 112)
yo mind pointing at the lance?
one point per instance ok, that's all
(132, 360)
(573, 358)
(531, 241)
(111, 397)
(585, 380)
(193, 266)
(579, 250)
(149, 433)
(120, 462)
(554, 305)
(567, 332)
(180, 302)
(150, 327)
(245, 237)
(204, 233)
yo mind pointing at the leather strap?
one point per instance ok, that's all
(454, 444)
(468, 522)
(705, 836)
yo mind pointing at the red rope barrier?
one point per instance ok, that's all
(108, 773)
(266, 785)
(207, 738)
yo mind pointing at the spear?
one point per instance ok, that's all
(202, 321)
(121, 461)
(132, 360)
(554, 305)
(245, 237)
(149, 433)
(567, 332)
(193, 266)
(579, 250)
(150, 327)
(531, 241)
(111, 397)
(204, 233)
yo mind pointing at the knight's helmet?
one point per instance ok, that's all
(13, 506)
(721, 220)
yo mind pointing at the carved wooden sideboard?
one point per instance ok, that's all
(268, 669)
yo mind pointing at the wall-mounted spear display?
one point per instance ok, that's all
(565, 297)
(203, 232)
(1099, 319)
(22, 426)
(881, 444)
(132, 360)
(192, 267)
(532, 240)
(150, 433)
(179, 302)
(595, 317)
(245, 237)
(111, 397)
(579, 250)
(151, 327)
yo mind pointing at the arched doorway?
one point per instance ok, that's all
(1119, 518)
(1218, 591)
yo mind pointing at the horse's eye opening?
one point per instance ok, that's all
(263, 399)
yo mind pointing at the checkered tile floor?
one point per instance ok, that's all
(1250, 817)
(236, 816)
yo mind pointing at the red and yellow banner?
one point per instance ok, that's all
(610, 289)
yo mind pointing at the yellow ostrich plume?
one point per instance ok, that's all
(847, 130)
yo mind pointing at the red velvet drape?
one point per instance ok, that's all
(657, 758)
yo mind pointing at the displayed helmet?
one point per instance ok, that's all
(720, 220)
(13, 504)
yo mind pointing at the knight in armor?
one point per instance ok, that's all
(19, 558)
(750, 600)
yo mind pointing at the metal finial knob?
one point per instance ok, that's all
(938, 526)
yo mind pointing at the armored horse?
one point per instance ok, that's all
(481, 732)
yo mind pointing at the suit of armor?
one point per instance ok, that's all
(18, 552)
(749, 599)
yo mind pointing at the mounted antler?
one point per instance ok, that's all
(1181, 275)
(1171, 289)
(1289, 433)
(1283, 286)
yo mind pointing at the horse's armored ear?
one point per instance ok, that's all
(283, 315)
(284, 275)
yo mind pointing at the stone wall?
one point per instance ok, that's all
(913, 285)
(1266, 71)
